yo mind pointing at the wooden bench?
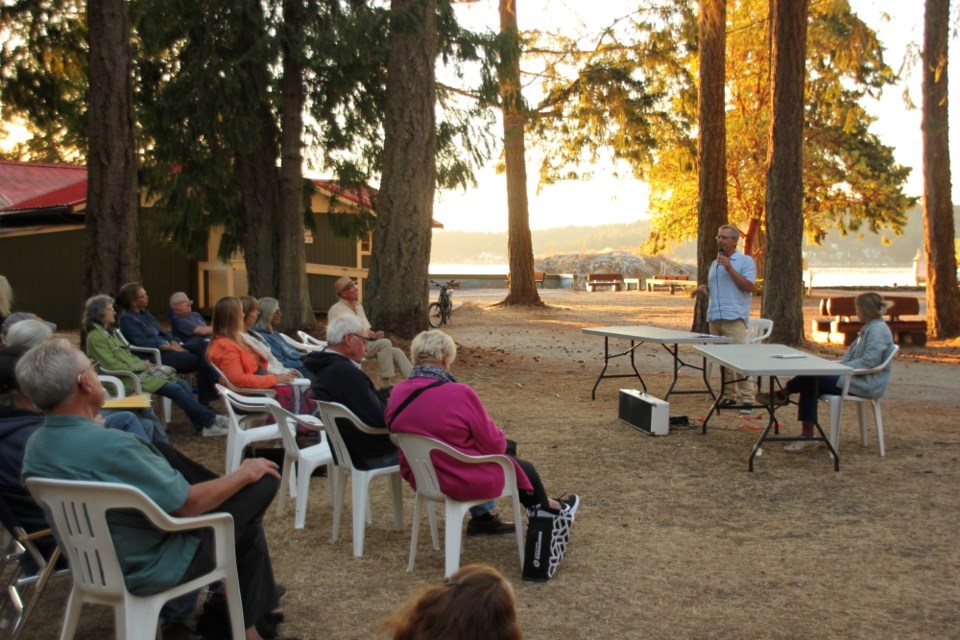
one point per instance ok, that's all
(612, 280)
(670, 282)
(538, 276)
(629, 284)
(842, 325)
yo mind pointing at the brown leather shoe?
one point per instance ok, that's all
(489, 525)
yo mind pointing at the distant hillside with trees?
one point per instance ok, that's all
(863, 248)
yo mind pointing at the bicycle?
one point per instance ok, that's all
(440, 312)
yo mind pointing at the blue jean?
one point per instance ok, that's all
(200, 415)
(142, 423)
(810, 389)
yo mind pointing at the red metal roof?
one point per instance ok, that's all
(363, 198)
(34, 185)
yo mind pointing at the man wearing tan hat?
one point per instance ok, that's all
(389, 358)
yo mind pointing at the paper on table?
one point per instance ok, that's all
(139, 401)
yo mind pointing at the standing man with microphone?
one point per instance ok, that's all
(730, 287)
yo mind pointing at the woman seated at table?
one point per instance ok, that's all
(870, 348)
(105, 346)
(267, 327)
(245, 366)
(452, 413)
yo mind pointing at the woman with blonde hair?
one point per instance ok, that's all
(868, 350)
(474, 603)
(245, 366)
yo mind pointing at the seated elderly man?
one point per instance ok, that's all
(187, 325)
(389, 358)
(59, 379)
(338, 378)
(142, 330)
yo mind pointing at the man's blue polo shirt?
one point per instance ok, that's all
(727, 300)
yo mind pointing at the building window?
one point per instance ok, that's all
(366, 245)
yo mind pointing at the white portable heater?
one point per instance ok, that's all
(645, 412)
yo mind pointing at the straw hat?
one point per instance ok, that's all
(342, 283)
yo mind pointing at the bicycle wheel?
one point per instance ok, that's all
(434, 315)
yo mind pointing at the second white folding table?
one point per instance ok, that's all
(775, 361)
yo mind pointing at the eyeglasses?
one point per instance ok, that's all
(726, 237)
(183, 302)
(93, 365)
(364, 338)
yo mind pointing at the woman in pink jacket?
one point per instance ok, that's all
(451, 412)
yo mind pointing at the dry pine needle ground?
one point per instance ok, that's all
(674, 539)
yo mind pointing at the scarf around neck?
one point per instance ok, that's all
(432, 371)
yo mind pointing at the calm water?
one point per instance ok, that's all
(824, 277)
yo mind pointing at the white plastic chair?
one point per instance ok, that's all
(758, 329)
(240, 434)
(836, 405)
(417, 450)
(308, 339)
(78, 513)
(303, 347)
(344, 466)
(225, 381)
(113, 386)
(166, 403)
(299, 464)
(114, 379)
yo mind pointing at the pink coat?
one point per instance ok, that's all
(453, 414)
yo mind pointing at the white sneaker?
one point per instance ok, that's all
(801, 446)
(214, 430)
(222, 421)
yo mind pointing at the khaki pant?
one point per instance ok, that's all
(736, 330)
(390, 359)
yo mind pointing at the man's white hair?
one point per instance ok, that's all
(341, 327)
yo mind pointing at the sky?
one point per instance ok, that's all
(607, 199)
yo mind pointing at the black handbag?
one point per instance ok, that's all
(548, 535)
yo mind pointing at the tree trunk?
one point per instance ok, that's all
(712, 145)
(113, 223)
(782, 287)
(261, 202)
(398, 288)
(523, 288)
(943, 296)
(292, 291)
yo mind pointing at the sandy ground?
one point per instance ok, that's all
(675, 538)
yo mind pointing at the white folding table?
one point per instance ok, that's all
(775, 361)
(669, 339)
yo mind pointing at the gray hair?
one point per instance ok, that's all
(341, 327)
(47, 374)
(94, 310)
(732, 229)
(433, 346)
(29, 333)
(268, 308)
(6, 297)
(178, 296)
